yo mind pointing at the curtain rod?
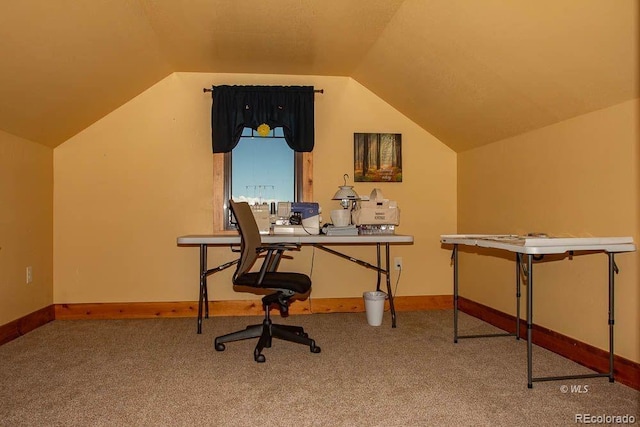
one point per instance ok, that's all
(213, 87)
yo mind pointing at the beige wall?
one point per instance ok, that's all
(26, 226)
(579, 177)
(128, 185)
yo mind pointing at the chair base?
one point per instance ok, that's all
(266, 331)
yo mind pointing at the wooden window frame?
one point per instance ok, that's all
(219, 163)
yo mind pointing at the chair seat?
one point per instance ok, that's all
(296, 282)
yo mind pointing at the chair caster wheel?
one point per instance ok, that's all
(219, 347)
(314, 348)
(260, 358)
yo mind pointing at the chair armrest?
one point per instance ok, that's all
(272, 258)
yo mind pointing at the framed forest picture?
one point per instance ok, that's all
(377, 157)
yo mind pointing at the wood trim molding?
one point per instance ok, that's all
(307, 177)
(626, 371)
(125, 310)
(218, 192)
(139, 310)
(28, 323)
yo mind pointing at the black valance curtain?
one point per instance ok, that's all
(237, 107)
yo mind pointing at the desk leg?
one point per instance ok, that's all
(203, 298)
(518, 263)
(529, 320)
(612, 269)
(378, 264)
(387, 264)
(456, 292)
(454, 257)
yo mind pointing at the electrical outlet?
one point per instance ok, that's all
(29, 275)
(397, 262)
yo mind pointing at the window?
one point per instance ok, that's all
(259, 170)
(262, 168)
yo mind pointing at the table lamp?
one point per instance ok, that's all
(347, 197)
(346, 194)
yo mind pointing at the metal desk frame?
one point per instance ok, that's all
(535, 249)
(319, 241)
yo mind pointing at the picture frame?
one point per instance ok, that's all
(377, 157)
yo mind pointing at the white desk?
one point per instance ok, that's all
(535, 248)
(320, 241)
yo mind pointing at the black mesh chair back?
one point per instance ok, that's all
(250, 237)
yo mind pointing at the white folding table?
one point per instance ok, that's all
(534, 248)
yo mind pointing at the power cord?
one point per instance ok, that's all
(296, 219)
(395, 291)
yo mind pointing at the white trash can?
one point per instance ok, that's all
(374, 306)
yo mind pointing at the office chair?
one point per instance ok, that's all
(283, 284)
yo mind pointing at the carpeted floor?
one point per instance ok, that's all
(159, 372)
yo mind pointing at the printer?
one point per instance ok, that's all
(377, 215)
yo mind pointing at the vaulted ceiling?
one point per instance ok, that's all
(470, 72)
